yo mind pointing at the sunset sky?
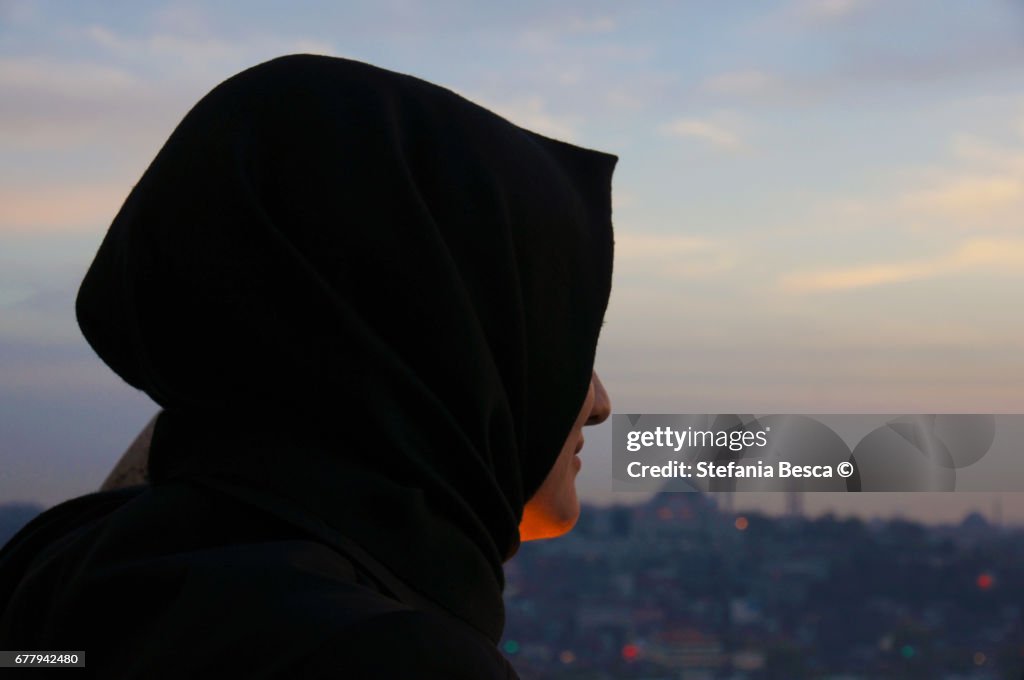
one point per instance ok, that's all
(819, 205)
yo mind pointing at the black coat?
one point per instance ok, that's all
(369, 309)
(179, 580)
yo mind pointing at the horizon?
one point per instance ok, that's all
(992, 516)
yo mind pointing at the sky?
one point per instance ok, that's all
(819, 205)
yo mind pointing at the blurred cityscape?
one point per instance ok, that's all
(684, 589)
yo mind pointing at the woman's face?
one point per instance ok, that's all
(554, 509)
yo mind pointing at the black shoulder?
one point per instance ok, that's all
(408, 644)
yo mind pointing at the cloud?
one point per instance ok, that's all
(827, 10)
(58, 207)
(561, 38)
(623, 100)
(979, 152)
(602, 24)
(73, 78)
(56, 104)
(670, 257)
(970, 196)
(182, 18)
(979, 188)
(715, 133)
(991, 256)
(743, 83)
(531, 112)
(133, 90)
(857, 50)
(186, 50)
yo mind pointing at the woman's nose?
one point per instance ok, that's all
(602, 407)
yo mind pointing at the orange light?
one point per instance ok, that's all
(985, 581)
(630, 652)
(665, 513)
(567, 656)
(742, 523)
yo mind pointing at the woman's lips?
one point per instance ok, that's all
(579, 446)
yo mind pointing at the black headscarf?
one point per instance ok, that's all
(366, 304)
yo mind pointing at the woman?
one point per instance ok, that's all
(369, 309)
